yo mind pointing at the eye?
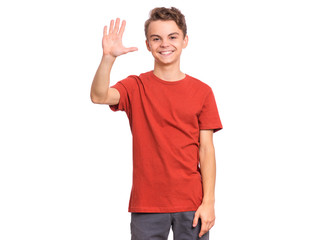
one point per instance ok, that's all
(155, 39)
(173, 37)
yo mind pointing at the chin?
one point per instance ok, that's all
(159, 61)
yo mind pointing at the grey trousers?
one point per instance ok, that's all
(156, 226)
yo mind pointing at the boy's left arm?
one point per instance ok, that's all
(206, 210)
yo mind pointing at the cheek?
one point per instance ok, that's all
(180, 46)
(154, 45)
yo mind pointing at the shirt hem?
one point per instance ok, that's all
(215, 129)
(162, 209)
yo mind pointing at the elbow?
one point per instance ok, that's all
(206, 148)
(96, 100)
(93, 99)
(206, 152)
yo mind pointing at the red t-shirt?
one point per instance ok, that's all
(165, 119)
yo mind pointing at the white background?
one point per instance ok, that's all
(65, 170)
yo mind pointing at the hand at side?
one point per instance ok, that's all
(207, 214)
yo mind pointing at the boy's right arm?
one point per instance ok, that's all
(112, 48)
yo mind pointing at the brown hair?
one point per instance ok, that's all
(166, 14)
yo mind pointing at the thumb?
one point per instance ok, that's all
(131, 49)
(196, 217)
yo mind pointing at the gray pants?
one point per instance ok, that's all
(156, 226)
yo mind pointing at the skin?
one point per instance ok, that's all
(165, 41)
(164, 37)
(101, 93)
(206, 210)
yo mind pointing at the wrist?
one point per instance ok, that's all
(208, 201)
(108, 57)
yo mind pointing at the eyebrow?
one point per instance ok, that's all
(155, 35)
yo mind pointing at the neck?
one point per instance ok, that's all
(168, 72)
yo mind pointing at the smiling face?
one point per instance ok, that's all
(165, 41)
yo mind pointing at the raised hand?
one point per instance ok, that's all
(112, 42)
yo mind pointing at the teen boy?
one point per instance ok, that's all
(172, 117)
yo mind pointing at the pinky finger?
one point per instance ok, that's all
(105, 30)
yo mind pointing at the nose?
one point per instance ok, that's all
(164, 43)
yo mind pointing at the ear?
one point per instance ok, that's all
(185, 41)
(148, 46)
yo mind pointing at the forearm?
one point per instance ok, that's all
(208, 171)
(101, 81)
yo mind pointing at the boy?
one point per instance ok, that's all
(172, 117)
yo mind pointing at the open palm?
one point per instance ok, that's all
(112, 42)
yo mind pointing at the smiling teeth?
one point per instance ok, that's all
(166, 53)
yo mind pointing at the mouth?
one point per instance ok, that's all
(166, 53)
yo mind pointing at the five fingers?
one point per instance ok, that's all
(115, 34)
(114, 27)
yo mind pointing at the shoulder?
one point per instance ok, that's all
(130, 80)
(199, 85)
(137, 79)
(145, 75)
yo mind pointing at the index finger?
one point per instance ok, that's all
(122, 28)
(203, 230)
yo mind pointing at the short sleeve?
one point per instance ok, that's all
(125, 88)
(209, 116)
